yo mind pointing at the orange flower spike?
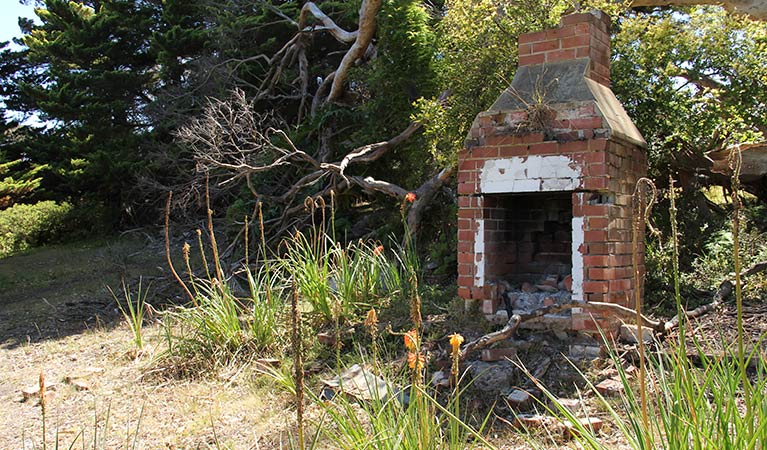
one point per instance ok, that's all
(455, 341)
(416, 361)
(410, 197)
(411, 340)
(372, 318)
(378, 250)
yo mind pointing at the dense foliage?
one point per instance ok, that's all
(95, 92)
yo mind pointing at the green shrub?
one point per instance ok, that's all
(26, 226)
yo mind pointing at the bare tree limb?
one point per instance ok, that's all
(328, 25)
(367, 27)
(424, 196)
(370, 184)
(372, 152)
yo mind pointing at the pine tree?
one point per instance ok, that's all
(97, 66)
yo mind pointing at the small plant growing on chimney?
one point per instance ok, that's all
(539, 114)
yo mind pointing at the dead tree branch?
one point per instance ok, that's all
(722, 292)
(310, 8)
(367, 27)
(232, 138)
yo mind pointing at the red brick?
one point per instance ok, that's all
(485, 152)
(560, 55)
(465, 258)
(469, 213)
(598, 249)
(525, 49)
(465, 235)
(595, 297)
(505, 139)
(597, 273)
(529, 60)
(465, 280)
(621, 298)
(594, 236)
(545, 46)
(477, 293)
(597, 170)
(619, 260)
(582, 28)
(574, 146)
(591, 122)
(595, 286)
(596, 260)
(469, 164)
(543, 148)
(595, 223)
(582, 52)
(621, 248)
(595, 210)
(595, 183)
(579, 19)
(621, 285)
(582, 40)
(561, 32)
(532, 37)
(595, 157)
(619, 235)
(465, 246)
(467, 188)
(464, 293)
(511, 151)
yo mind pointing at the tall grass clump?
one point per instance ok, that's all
(392, 421)
(219, 326)
(392, 415)
(133, 311)
(690, 399)
(339, 280)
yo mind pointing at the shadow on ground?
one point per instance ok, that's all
(57, 291)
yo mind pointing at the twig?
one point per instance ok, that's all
(167, 248)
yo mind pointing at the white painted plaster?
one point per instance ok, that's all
(577, 259)
(479, 253)
(535, 173)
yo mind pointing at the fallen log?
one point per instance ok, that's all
(723, 291)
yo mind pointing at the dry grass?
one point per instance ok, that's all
(176, 414)
(56, 315)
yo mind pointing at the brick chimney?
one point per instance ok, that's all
(584, 35)
(546, 179)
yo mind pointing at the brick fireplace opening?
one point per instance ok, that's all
(528, 236)
(546, 179)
